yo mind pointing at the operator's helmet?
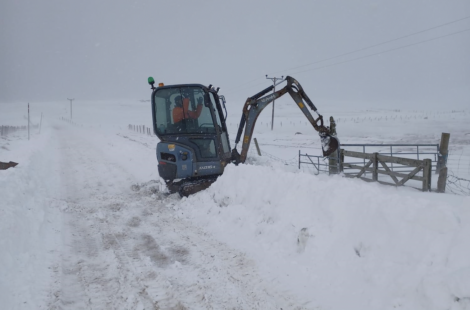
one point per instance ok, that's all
(178, 101)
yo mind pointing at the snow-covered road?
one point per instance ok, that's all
(124, 249)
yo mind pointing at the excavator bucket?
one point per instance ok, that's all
(329, 144)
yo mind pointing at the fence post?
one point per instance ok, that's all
(332, 162)
(443, 151)
(442, 180)
(299, 159)
(40, 124)
(332, 126)
(28, 121)
(257, 146)
(333, 167)
(375, 173)
(441, 166)
(427, 175)
(341, 160)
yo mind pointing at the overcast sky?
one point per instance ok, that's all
(57, 49)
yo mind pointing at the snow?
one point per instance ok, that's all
(85, 221)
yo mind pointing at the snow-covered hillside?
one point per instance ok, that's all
(85, 222)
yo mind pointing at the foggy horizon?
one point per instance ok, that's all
(53, 50)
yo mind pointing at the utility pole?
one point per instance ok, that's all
(70, 106)
(40, 124)
(274, 79)
(28, 121)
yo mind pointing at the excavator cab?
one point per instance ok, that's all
(189, 120)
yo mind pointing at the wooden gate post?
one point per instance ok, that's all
(332, 126)
(341, 160)
(441, 167)
(443, 151)
(441, 181)
(427, 175)
(375, 174)
(334, 163)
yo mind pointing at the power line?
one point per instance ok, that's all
(374, 54)
(383, 52)
(239, 87)
(375, 45)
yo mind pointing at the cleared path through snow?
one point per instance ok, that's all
(123, 249)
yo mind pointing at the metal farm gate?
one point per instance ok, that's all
(391, 164)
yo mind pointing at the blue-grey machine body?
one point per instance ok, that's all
(184, 165)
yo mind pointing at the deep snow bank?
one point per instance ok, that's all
(377, 247)
(29, 221)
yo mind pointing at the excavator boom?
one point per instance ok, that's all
(254, 106)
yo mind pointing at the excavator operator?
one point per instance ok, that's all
(181, 110)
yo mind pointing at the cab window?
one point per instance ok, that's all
(183, 110)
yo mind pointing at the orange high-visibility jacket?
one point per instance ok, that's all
(180, 113)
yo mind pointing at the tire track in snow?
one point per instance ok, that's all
(126, 250)
(91, 276)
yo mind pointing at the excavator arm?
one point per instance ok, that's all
(255, 104)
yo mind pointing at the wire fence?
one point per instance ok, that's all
(141, 129)
(70, 121)
(456, 185)
(287, 162)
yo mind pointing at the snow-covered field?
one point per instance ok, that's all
(84, 222)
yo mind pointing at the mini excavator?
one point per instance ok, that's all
(190, 121)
